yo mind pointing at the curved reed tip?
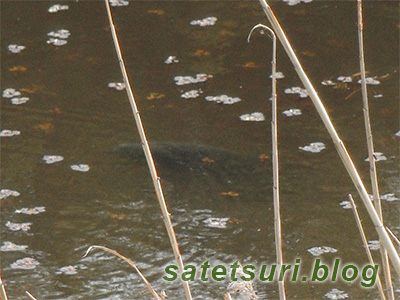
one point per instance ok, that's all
(262, 26)
(251, 31)
(88, 251)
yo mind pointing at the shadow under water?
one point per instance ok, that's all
(203, 169)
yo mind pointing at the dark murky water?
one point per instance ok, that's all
(73, 113)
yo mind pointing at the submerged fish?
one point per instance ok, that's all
(203, 168)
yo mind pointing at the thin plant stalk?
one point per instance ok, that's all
(395, 238)
(370, 146)
(3, 294)
(30, 295)
(365, 243)
(227, 296)
(340, 147)
(275, 162)
(149, 158)
(133, 265)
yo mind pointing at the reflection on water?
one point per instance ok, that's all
(65, 187)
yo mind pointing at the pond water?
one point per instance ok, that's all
(215, 168)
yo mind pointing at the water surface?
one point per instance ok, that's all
(73, 113)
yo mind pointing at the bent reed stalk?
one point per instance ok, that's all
(340, 147)
(370, 146)
(275, 161)
(133, 265)
(365, 244)
(149, 158)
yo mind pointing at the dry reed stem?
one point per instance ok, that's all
(132, 264)
(30, 295)
(149, 158)
(275, 162)
(340, 147)
(227, 296)
(365, 244)
(370, 146)
(3, 293)
(394, 237)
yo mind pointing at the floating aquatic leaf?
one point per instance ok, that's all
(5, 193)
(18, 69)
(278, 75)
(56, 42)
(254, 117)
(117, 85)
(386, 197)
(345, 79)
(292, 112)
(154, 96)
(32, 90)
(18, 226)
(8, 133)
(389, 197)
(15, 48)
(297, 90)
(26, 263)
(20, 100)
(8, 246)
(44, 126)
(328, 82)
(378, 156)
(336, 294)
(209, 21)
(10, 92)
(58, 37)
(374, 245)
(118, 2)
(207, 160)
(181, 80)
(80, 167)
(68, 270)
(223, 99)
(171, 59)
(202, 52)
(50, 159)
(230, 194)
(317, 251)
(191, 94)
(226, 33)
(57, 7)
(158, 12)
(309, 53)
(60, 34)
(371, 81)
(55, 110)
(216, 222)
(118, 216)
(295, 2)
(345, 204)
(378, 96)
(314, 147)
(31, 211)
(250, 65)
